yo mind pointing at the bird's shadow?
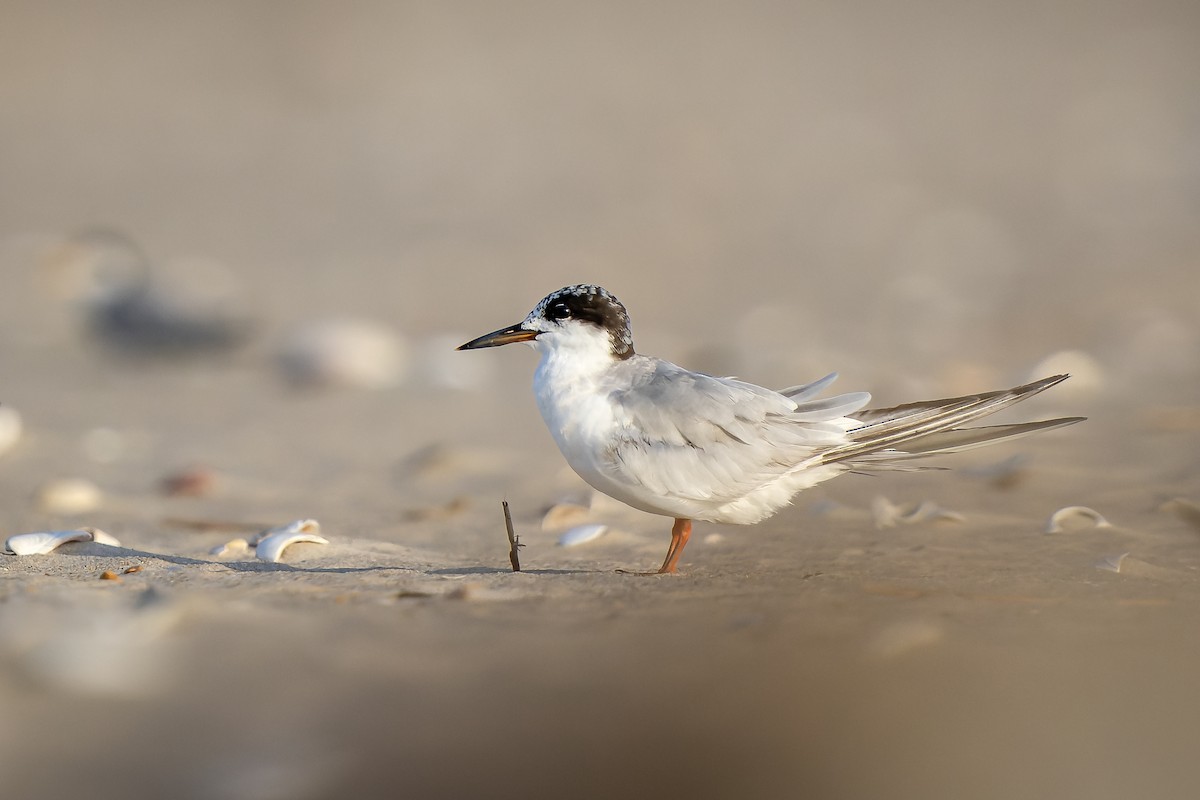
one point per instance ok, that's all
(250, 565)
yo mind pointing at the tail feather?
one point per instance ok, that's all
(916, 430)
(804, 392)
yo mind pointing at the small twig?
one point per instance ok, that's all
(514, 541)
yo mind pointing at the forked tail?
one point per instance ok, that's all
(888, 437)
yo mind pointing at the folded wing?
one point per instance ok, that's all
(703, 438)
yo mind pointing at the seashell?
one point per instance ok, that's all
(42, 542)
(888, 514)
(69, 496)
(109, 575)
(239, 545)
(1111, 563)
(270, 544)
(100, 537)
(1071, 514)
(10, 427)
(581, 533)
(353, 353)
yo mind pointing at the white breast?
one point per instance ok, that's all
(572, 390)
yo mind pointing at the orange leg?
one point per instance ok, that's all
(681, 531)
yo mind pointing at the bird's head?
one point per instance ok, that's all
(575, 317)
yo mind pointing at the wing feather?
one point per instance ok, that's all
(698, 437)
(919, 429)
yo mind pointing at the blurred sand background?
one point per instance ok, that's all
(931, 198)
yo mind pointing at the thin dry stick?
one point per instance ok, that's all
(514, 541)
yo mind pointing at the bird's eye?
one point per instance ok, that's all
(558, 311)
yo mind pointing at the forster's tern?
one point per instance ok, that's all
(692, 446)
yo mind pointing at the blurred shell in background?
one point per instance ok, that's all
(345, 352)
(180, 307)
(69, 496)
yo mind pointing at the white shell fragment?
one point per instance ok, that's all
(10, 427)
(1111, 563)
(232, 547)
(69, 496)
(1069, 518)
(581, 533)
(270, 544)
(100, 537)
(345, 352)
(42, 542)
(888, 514)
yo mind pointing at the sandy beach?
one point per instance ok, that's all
(931, 203)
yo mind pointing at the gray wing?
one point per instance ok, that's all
(698, 437)
(888, 437)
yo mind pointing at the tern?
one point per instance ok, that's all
(692, 446)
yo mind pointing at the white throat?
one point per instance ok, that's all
(571, 383)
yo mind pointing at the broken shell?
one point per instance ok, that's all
(1070, 516)
(42, 542)
(270, 544)
(10, 427)
(240, 545)
(581, 533)
(69, 496)
(100, 537)
(1111, 563)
